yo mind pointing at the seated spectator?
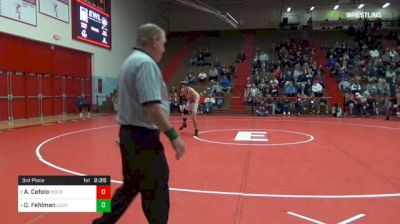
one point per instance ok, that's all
(263, 57)
(213, 74)
(232, 69)
(200, 59)
(392, 105)
(248, 82)
(217, 63)
(208, 103)
(345, 85)
(193, 61)
(226, 85)
(202, 77)
(361, 103)
(241, 57)
(374, 53)
(201, 103)
(81, 103)
(331, 62)
(174, 99)
(262, 109)
(299, 104)
(216, 89)
(337, 111)
(207, 52)
(220, 99)
(190, 77)
(290, 89)
(317, 89)
(355, 87)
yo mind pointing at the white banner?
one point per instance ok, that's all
(58, 9)
(19, 10)
(337, 23)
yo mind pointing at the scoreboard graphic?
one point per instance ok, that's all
(64, 194)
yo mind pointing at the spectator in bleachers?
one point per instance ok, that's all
(226, 85)
(263, 57)
(202, 77)
(217, 63)
(331, 62)
(355, 87)
(278, 73)
(390, 73)
(190, 77)
(383, 87)
(193, 60)
(317, 89)
(174, 99)
(361, 103)
(337, 111)
(261, 109)
(241, 57)
(219, 97)
(209, 102)
(374, 53)
(201, 102)
(290, 89)
(200, 59)
(232, 69)
(248, 82)
(213, 74)
(273, 89)
(299, 104)
(371, 88)
(350, 102)
(207, 52)
(345, 85)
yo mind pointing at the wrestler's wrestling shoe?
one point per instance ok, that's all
(196, 133)
(183, 126)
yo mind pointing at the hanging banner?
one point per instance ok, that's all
(19, 10)
(337, 23)
(58, 9)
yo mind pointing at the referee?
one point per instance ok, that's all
(143, 113)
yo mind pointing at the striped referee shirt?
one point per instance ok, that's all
(140, 83)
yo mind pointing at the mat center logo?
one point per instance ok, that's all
(254, 137)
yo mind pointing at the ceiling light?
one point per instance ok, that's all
(336, 7)
(360, 6)
(312, 8)
(288, 9)
(386, 5)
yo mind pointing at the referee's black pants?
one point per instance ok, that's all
(145, 170)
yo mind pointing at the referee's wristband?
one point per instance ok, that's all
(171, 134)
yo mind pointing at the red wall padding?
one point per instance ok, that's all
(88, 90)
(57, 95)
(32, 91)
(47, 94)
(12, 53)
(18, 89)
(3, 84)
(3, 95)
(3, 109)
(70, 91)
(37, 57)
(22, 55)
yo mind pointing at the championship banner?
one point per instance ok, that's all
(19, 10)
(58, 9)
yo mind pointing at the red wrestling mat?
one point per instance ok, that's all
(239, 170)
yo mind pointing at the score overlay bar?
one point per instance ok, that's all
(64, 194)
